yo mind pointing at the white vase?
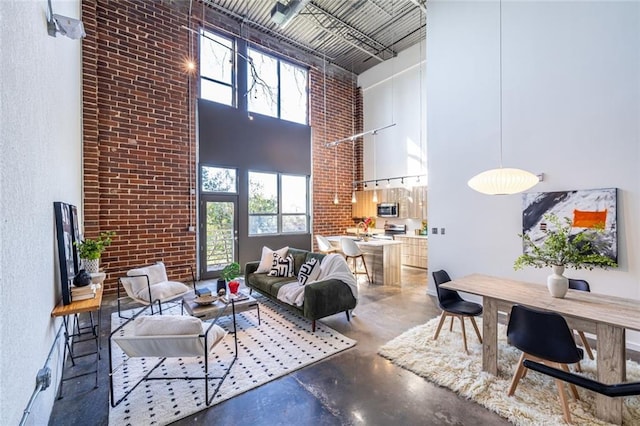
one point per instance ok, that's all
(557, 283)
(91, 265)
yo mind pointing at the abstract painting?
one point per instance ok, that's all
(66, 216)
(586, 209)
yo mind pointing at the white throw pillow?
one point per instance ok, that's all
(309, 272)
(166, 325)
(163, 291)
(157, 273)
(266, 261)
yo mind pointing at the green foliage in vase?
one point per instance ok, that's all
(561, 248)
(230, 271)
(92, 249)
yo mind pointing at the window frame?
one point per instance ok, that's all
(201, 182)
(279, 210)
(234, 66)
(241, 74)
(279, 62)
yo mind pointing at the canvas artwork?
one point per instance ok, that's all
(66, 217)
(586, 209)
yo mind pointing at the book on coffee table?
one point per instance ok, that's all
(239, 296)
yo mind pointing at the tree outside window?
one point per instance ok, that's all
(277, 208)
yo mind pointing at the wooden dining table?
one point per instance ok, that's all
(608, 317)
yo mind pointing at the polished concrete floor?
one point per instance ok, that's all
(355, 387)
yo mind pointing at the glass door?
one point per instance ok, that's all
(218, 234)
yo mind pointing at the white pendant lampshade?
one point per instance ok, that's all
(503, 181)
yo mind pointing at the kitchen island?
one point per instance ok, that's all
(382, 258)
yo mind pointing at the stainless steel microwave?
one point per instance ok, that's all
(388, 210)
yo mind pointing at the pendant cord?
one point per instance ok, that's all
(500, 83)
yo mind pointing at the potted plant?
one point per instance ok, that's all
(90, 250)
(561, 248)
(228, 273)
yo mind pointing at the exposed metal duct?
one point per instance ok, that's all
(282, 15)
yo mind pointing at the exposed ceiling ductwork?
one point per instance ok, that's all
(354, 35)
(282, 15)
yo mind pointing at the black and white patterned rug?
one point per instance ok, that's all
(282, 343)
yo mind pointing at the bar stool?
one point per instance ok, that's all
(352, 251)
(324, 245)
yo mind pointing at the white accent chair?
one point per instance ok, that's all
(324, 245)
(351, 251)
(167, 336)
(149, 284)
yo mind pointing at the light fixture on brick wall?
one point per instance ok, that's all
(502, 181)
(70, 27)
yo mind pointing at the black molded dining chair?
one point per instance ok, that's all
(455, 306)
(582, 285)
(544, 337)
(614, 390)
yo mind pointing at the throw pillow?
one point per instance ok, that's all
(309, 271)
(282, 266)
(266, 261)
(156, 273)
(162, 325)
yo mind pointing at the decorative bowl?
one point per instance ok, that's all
(205, 300)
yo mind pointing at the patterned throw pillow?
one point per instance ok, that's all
(309, 271)
(282, 266)
(266, 261)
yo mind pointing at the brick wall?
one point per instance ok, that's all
(139, 150)
(334, 168)
(138, 154)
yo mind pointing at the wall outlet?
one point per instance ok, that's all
(434, 230)
(441, 231)
(192, 229)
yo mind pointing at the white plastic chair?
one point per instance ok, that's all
(325, 245)
(351, 251)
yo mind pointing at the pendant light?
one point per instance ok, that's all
(502, 181)
(335, 152)
(353, 145)
(375, 190)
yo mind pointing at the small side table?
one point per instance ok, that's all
(74, 309)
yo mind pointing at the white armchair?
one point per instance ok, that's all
(151, 283)
(167, 336)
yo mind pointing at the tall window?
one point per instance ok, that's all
(276, 88)
(216, 68)
(278, 203)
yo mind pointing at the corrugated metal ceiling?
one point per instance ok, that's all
(352, 34)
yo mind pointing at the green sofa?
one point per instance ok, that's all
(321, 298)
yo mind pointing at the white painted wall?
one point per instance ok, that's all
(571, 93)
(40, 162)
(391, 94)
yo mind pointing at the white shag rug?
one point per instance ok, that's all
(535, 402)
(281, 344)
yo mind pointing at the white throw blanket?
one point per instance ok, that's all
(333, 266)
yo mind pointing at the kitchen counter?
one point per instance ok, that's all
(372, 231)
(414, 250)
(383, 258)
